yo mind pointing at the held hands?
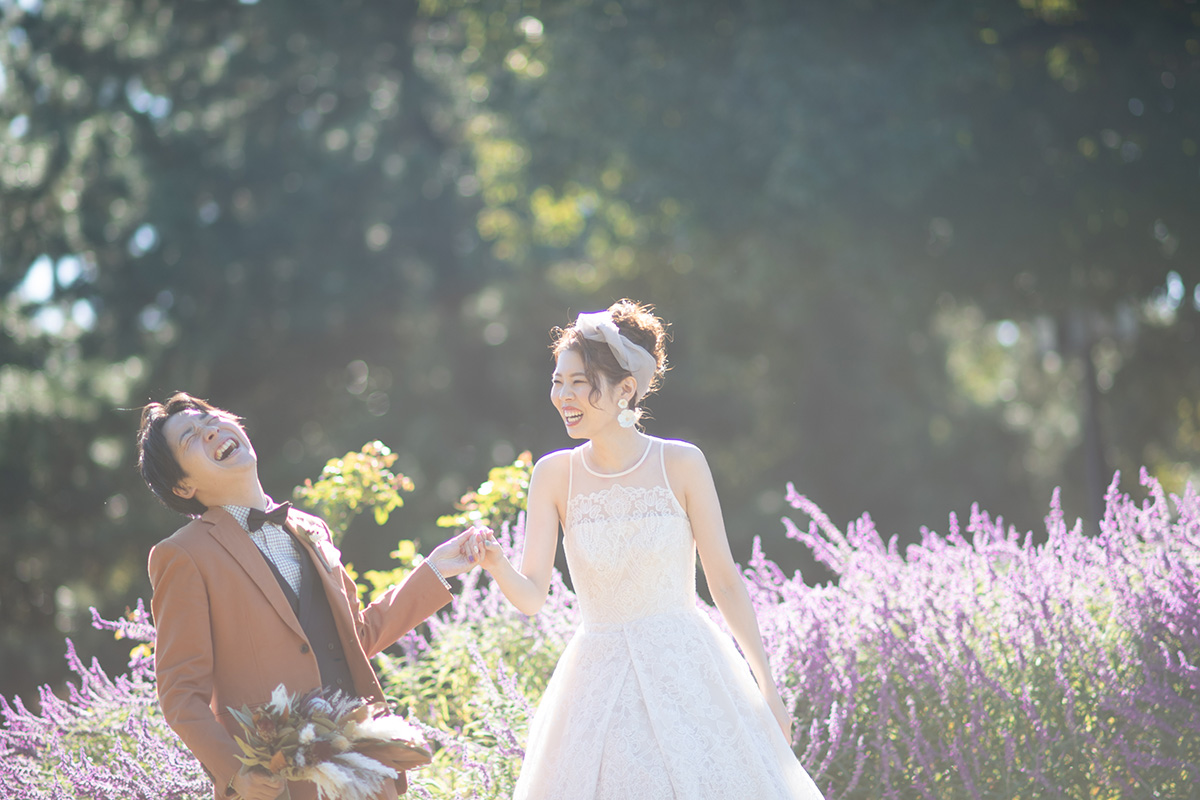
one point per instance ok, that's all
(459, 553)
(483, 543)
(255, 783)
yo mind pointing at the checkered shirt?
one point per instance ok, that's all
(275, 543)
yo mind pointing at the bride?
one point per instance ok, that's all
(650, 699)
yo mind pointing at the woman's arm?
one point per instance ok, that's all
(526, 586)
(689, 474)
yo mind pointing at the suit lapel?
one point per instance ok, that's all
(230, 535)
(312, 536)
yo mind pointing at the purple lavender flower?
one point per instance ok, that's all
(973, 664)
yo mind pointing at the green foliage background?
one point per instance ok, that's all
(914, 253)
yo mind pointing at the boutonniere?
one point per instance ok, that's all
(319, 542)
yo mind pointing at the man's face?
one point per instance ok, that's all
(212, 449)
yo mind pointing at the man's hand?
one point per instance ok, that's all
(255, 783)
(458, 554)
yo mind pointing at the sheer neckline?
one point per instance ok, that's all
(640, 461)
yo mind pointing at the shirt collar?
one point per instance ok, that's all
(242, 514)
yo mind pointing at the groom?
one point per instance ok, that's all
(245, 600)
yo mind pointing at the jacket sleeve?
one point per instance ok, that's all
(400, 609)
(183, 660)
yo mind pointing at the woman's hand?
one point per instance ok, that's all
(780, 712)
(483, 543)
(459, 553)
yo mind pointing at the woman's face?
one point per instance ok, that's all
(571, 393)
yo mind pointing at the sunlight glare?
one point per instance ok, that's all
(38, 285)
(1008, 333)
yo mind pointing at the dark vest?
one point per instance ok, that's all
(311, 607)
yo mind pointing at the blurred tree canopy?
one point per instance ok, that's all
(914, 254)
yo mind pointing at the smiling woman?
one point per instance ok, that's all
(635, 512)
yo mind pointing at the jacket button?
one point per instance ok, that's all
(303, 648)
(330, 646)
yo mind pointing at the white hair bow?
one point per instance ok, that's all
(599, 327)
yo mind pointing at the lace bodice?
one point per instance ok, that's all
(628, 541)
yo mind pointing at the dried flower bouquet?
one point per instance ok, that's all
(346, 746)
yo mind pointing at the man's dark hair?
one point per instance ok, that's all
(156, 460)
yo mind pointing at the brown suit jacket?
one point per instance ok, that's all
(226, 635)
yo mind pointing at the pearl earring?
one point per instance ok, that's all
(627, 416)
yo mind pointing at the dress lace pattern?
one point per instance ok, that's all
(650, 700)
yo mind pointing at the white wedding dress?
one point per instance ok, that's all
(650, 700)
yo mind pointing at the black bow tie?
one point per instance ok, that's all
(257, 517)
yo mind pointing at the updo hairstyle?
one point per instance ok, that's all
(638, 324)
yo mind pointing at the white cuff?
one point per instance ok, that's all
(438, 573)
